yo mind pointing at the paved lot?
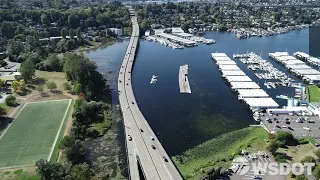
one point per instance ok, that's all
(248, 171)
(298, 129)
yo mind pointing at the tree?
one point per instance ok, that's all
(81, 172)
(11, 100)
(31, 43)
(15, 85)
(50, 170)
(67, 86)
(64, 32)
(7, 29)
(73, 21)
(71, 34)
(53, 63)
(308, 159)
(272, 147)
(39, 89)
(44, 19)
(66, 142)
(51, 85)
(3, 110)
(2, 82)
(27, 70)
(285, 137)
(316, 171)
(318, 153)
(78, 33)
(15, 47)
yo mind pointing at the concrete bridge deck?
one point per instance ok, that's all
(139, 149)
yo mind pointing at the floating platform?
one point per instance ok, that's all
(183, 79)
(244, 85)
(260, 102)
(238, 79)
(233, 73)
(246, 93)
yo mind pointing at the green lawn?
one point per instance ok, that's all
(33, 132)
(314, 93)
(219, 152)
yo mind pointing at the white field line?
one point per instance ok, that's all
(13, 120)
(58, 133)
(48, 101)
(18, 166)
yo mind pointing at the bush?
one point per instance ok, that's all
(303, 141)
(318, 153)
(3, 110)
(280, 159)
(308, 159)
(11, 100)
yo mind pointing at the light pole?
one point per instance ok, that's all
(160, 137)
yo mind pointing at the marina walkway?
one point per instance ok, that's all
(183, 79)
(143, 147)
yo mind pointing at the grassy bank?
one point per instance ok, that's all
(313, 93)
(219, 152)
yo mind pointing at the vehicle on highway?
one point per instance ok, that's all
(130, 138)
(153, 147)
(120, 81)
(152, 138)
(132, 102)
(141, 130)
(307, 128)
(256, 177)
(165, 159)
(127, 84)
(311, 121)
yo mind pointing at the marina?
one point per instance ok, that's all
(176, 39)
(297, 67)
(266, 71)
(195, 38)
(307, 58)
(248, 91)
(183, 79)
(164, 42)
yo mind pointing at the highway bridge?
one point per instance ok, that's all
(142, 145)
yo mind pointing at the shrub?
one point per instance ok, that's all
(308, 159)
(11, 100)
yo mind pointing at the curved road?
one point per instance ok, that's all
(139, 148)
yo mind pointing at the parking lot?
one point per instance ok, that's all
(243, 169)
(300, 126)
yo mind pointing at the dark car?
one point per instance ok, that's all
(275, 119)
(141, 130)
(287, 122)
(269, 121)
(153, 147)
(132, 102)
(277, 126)
(290, 128)
(165, 159)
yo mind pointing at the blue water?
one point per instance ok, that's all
(186, 120)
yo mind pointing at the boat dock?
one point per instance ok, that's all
(307, 58)
(164, 42)
(247, 90)
(176, 39)
(195, 38)
(183, 79)
(265, 70)
(297, 67)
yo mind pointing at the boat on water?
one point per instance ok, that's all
(282, 97)
(153, 79)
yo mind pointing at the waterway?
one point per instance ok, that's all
(183, 121)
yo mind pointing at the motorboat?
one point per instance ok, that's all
(153, 79)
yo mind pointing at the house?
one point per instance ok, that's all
(116, 31)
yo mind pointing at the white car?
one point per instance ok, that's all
(130, 138)
(152, 138)
(306, 128)
(283, 126)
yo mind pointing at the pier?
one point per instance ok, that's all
(183, 79)
(298, 67)
(176, 39)
(307, 58)
(247, 90)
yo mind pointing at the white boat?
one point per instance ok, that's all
(153, 79)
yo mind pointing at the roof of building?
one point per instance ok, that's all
(226, 62)
(244, 85)
(229, 67)
(261, 102)
(252, 93)
(238, 78)
(306, 71)
(300, 66)
(233, 73)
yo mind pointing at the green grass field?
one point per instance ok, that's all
(219, 152)
(314, 93)
(33, 132)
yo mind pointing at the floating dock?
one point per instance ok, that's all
(298, 67)
(183, 79)
(177, 39)
(247, 90)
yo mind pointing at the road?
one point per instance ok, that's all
(139, 148)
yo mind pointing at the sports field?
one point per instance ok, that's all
(33, 133)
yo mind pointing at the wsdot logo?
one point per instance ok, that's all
(244, 166)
